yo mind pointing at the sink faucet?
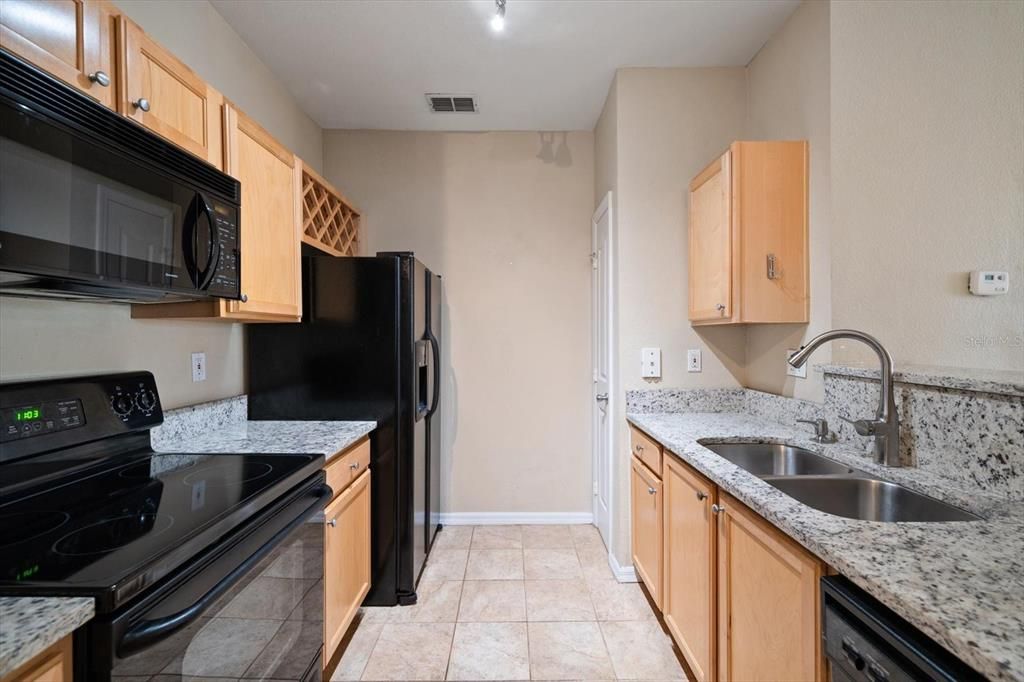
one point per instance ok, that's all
(885, 427)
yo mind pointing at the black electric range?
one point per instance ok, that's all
(162, 542)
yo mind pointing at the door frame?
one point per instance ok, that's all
(605, 207)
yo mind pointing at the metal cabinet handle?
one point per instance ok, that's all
(244, 299)
(100, 78)
(651, 491)
(332, 523)
(717, 508)
(720, 307)
(353, 465)
(141, 103)
(639, 448)
(773, 272)
(701, 495)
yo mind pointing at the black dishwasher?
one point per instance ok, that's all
(865, 640)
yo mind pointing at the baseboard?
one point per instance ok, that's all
(624, 574)
(514, 518)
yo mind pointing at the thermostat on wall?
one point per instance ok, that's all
(988, 283)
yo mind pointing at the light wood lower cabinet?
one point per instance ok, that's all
(346, 560)
(53, 664)
(71, 39)
(647, 518)
(688, 595)
(768, 601)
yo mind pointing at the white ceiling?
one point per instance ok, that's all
(368, 63)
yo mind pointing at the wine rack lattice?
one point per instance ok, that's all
(329, 221)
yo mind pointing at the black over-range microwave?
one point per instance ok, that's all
(92, 205)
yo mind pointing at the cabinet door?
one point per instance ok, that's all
(71, 39)
(271, 221)
(768, 601)
(647, 528)
(346, 560)
(688, 596)
(711, 261)
(167, 97)
(51, 665)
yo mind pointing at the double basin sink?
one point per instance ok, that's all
(833, 487)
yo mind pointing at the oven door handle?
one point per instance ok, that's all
(145, 633)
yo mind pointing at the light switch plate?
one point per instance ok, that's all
(693, 360)
(650, 363)
(792, 371)
(198, 367)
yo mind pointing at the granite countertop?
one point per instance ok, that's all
(28, 625)
(300, 437)
(961, 583)
(1002, 382)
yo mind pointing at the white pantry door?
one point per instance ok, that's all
(601, 296)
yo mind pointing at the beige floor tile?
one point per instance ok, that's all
(436, 602)
(568, 651)
(547, 537)
(587, 536)
(376, 614)
(446, 564)
(453, 537)
(411, 651)
(495, 564)
(552, 564)
(558, 600)
(594, 562)
(492, 601)
(619, 601)
(641, 650)
(357, 652)
(497, 537)
(490, 651)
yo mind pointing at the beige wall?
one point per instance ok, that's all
(511, 236)
(928, 177)
(670, 124)
(53, 337)
(788, 99)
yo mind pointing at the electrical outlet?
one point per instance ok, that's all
(693, 360)
(198, 367)
(650, 363)
(792, 371)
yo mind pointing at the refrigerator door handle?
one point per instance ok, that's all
(436, 347)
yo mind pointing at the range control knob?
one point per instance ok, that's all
(145, 399)
(122, 404)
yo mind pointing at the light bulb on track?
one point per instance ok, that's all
(498, 21)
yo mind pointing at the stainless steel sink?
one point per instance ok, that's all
(772, 459)
(867, 499)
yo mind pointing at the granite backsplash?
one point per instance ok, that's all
(970, 437)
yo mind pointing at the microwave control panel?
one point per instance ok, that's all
(227, 278)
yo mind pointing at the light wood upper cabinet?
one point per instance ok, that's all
(748, 260)
(163, 94)
(71, 39)
(768, 601)
(647, 515)
(688, 595)
(346, 560)
(271, 219)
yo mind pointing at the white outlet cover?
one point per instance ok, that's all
(198, 367)
(792, 371)
(693, 360)
(650, 363)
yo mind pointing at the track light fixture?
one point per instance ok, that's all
(498, 22)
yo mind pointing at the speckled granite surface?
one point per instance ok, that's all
(1004, 382)
(30, 624)
(222, 427)
(961, 583)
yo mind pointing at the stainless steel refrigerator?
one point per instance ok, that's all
(368, 348)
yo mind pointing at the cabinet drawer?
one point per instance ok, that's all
(647, 450)
(347, 467)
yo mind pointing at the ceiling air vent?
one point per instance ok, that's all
(452, 104)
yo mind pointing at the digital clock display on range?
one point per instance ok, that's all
(26, 421)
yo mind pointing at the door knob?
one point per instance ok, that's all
(332, 523)
(717, 508)
(353, 465)
(651, 491)
(100, 78)
(601, 397)
(141, 103)
(720, 307)
(701, 495)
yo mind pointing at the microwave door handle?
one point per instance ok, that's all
(213, 248)
(145, 633)
(188, 241)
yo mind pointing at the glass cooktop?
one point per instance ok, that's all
(100, 526)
